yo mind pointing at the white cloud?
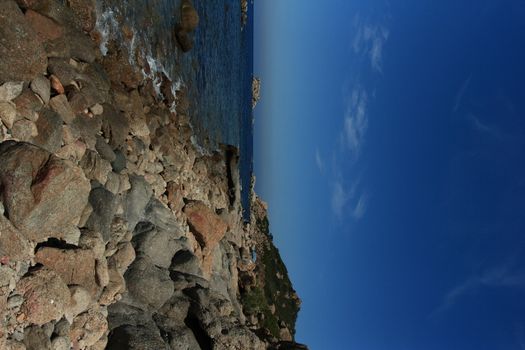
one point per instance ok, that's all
(360, 207)
(500, 277)
(319, 160)
(355, 120)
(339, 198)
(369, 40)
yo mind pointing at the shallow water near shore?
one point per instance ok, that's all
(217, 71)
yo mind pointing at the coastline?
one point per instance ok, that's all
(117, 231)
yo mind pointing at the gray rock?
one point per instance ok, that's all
(24, 130)
(148, 284)
(157, 244)
(162, 217)
(14, 301)
(42, 87)
(95, 74)
(115, 127)
(61, 68)
(95, 167)
(144, 337)
(81, 46)
(62, 327)
(10, 90)
(61, 105)
(122, 313)
(87, 128)
(104, 205)
(182, 338)
(23, 56)
(136, 200)
(61, 343)
(36, 339)
(174, 312)
(104, 149)
(113, 183)
(186, 262)
(119, 163)
(49, 126)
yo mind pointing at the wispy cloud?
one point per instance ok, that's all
(478, 124)
(461, 93)
(355, 120)
(360, 207)
(499, 277)
(339, 198)
(319, 161)
(369, 40)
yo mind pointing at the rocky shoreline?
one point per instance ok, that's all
(116, 233)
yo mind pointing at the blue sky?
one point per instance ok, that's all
(390, 146)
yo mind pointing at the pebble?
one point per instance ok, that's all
(7, 113)
(42, 87)
(14, 301)
(10, 90)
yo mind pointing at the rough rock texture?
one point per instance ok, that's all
(116, 232)
(75, 266)
(23, 56)
(44, 195)
(208, 227)
(45, 297)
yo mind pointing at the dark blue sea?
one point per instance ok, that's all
(217, 72)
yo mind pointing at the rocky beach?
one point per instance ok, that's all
(117, 231)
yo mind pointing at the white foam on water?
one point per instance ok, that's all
(106, 25)
(109, 28)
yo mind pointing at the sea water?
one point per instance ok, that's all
(217, 72)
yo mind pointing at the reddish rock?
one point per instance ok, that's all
(43, 194)
(23, 56)
(46, 29)
(88, 328)
(75, 266)
(56, 84)
(45, 297)
(208, 227)
(13, 244)
(85, 12)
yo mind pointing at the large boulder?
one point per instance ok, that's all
(75, 266)
(142, 337)
(157, 244)
(23, 56)
(46, 296)
(148, 284)
(207, 227)
(43, 195)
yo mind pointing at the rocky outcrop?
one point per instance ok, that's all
(115, 232)
(189, 20)
(256, 91)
